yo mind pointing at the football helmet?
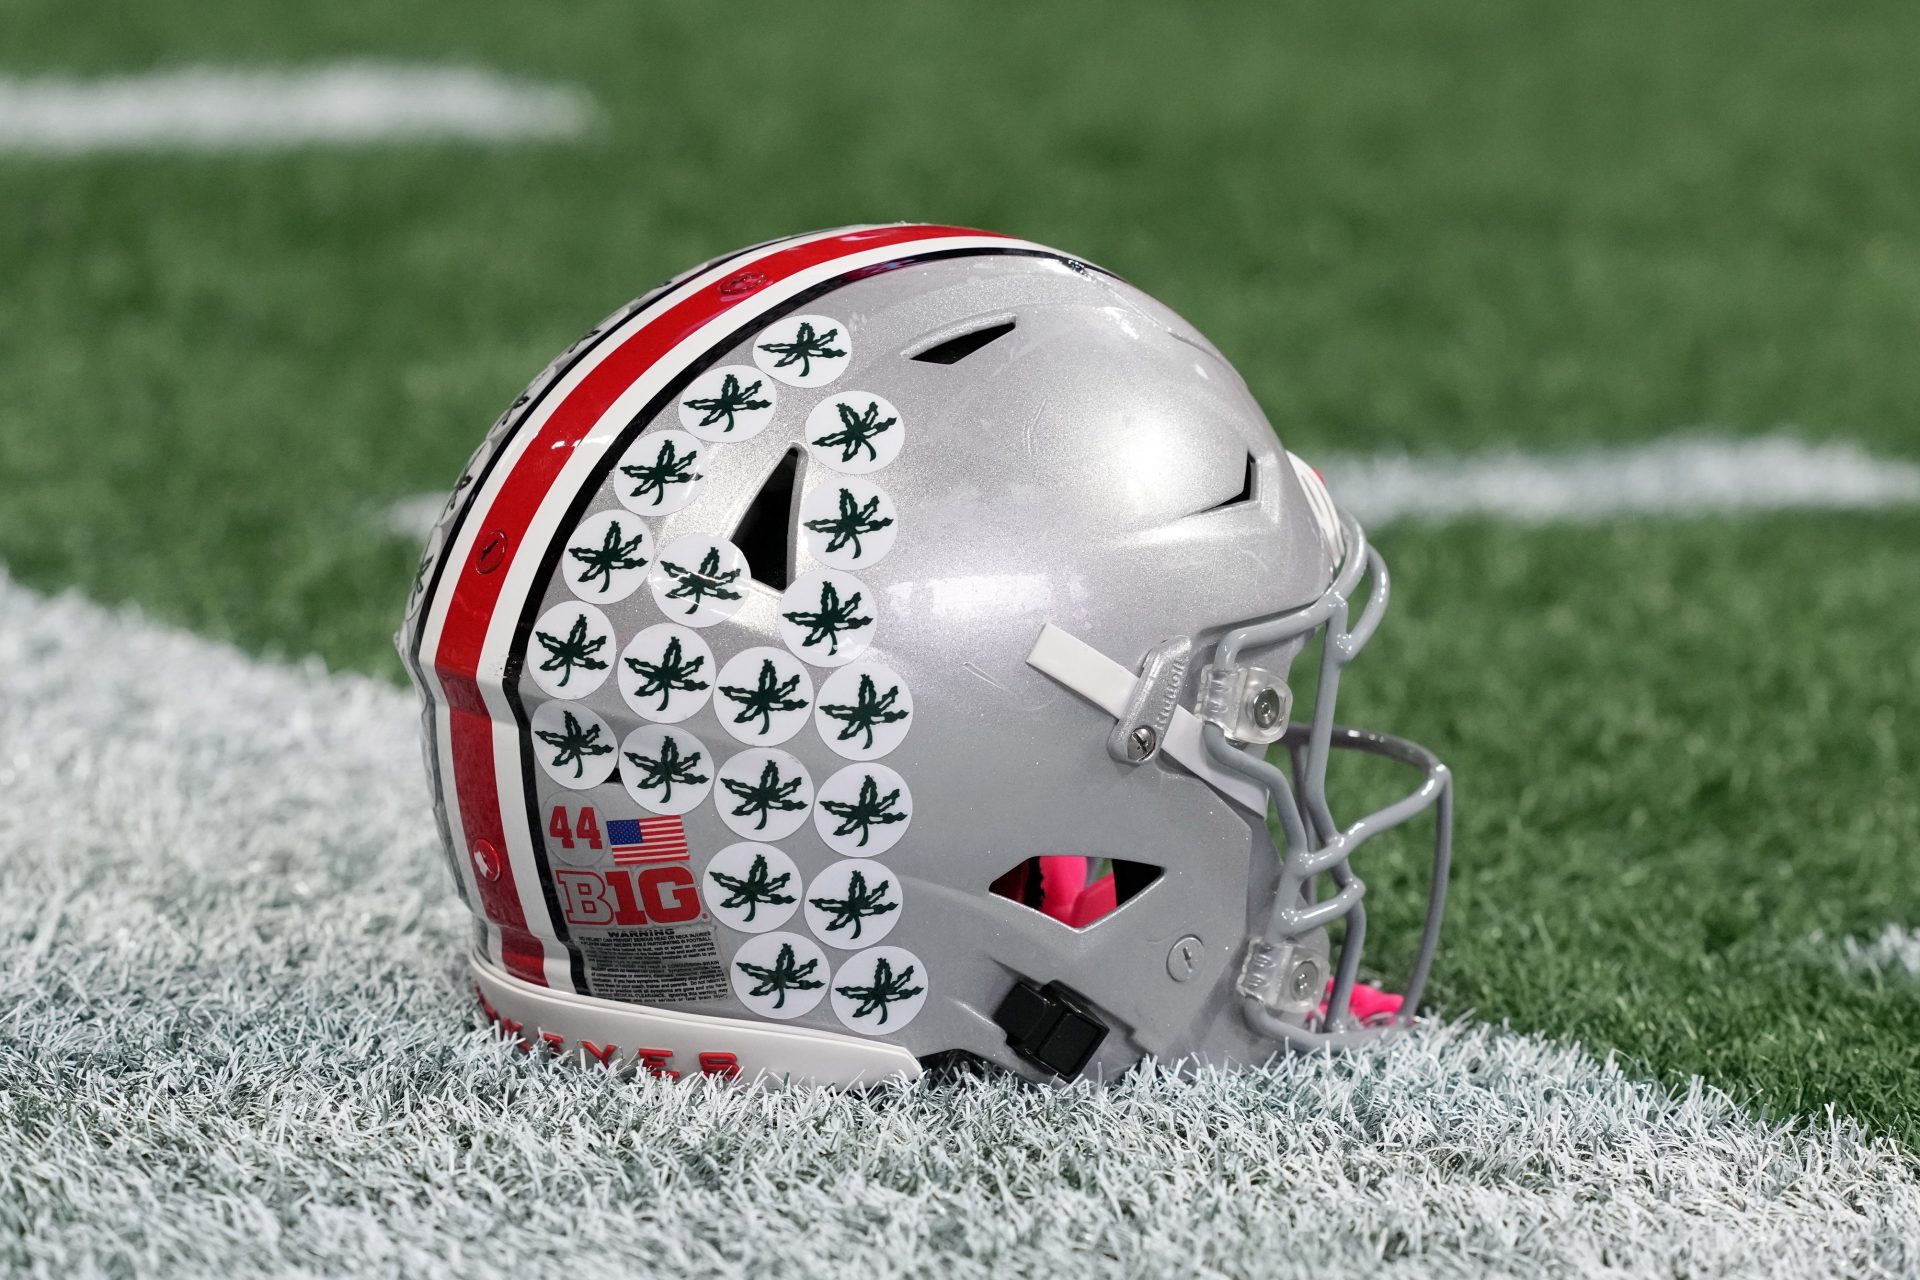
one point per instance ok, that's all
(866, 650)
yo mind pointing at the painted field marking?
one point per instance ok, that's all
(231, 109)
(1893, 952)
(1680, 475)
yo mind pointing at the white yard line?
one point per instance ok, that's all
(233, 1038)
(223, 109)
(1893, 952)
(1678, 476)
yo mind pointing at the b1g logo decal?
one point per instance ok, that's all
(629, 896)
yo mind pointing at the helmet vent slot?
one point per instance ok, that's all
(766, 532)
(956, 349)
(1246, 493)
(1078, 892)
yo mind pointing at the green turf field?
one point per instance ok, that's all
(1684, 745)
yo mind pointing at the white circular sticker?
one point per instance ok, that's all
(854, 432)
(665, 769)
(827, 617)
(879, 991)
(763, 695)
(863, 810)
(660, 473)
(574, 835)
(607, 556)
(698, 581)
(804, 351)
(667, 673)
(848, 523)
(854, 904)
(780, 975)
(571, 650)
(763, 794)
(864, 711)
(751, 887)
(732, 402)
(573, 745)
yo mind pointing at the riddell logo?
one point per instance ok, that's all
(629, 895)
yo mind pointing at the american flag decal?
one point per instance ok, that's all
(647, 840)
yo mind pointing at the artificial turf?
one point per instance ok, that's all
(1683, 746)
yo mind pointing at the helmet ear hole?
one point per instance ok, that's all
(1077, 891)
(765, 534)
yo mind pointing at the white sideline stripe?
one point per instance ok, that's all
(227, 873)
(1893, 952)
(224, 109)
(1677, 476)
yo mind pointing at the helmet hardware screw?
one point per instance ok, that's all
(1266, 708)
(492, 554)
(1306, 976)
(743, 282)
(1183, 962)
(1141, 742)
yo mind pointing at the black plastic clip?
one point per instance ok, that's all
(1050, 1027)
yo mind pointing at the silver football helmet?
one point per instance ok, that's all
(866, 650)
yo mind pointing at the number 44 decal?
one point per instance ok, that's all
(586, 829)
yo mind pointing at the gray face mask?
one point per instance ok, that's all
(865, 650)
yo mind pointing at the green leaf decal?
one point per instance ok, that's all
(886, 989)
(574, 743)
(806, 347)
(612, 554)
(769, 694)
(784, 975)
(830, 619)
(574, 651)
(859, 903)
(854, 520)
(672, 674)
(758, 888)
(733, 398)
(699, 584)
(667, 768)
(869, 709)
(765, 796)
(869, 811)
(857, 432)
(669, 467)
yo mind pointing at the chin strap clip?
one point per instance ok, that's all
(1050, 1026)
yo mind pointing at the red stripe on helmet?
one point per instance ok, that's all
(502, 529)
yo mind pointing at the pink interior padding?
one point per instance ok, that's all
(1066, 895)
(1369, 1004)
